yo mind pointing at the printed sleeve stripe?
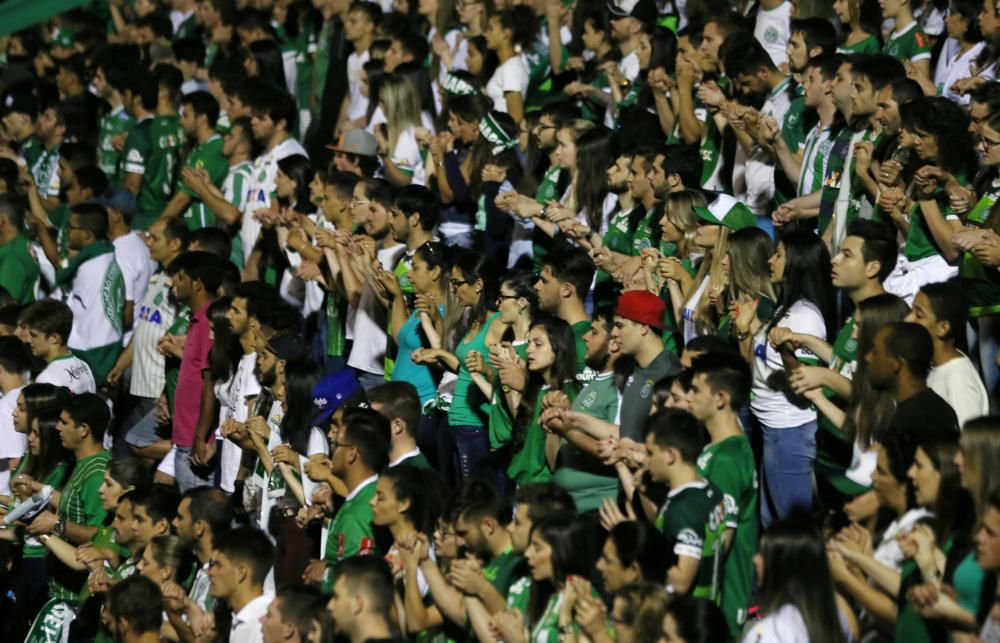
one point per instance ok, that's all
(688, 551)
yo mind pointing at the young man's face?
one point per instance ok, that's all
(922, 314)
(711, 40)
(842, 88)
(658, 460)
(881, 364)
(628, 334)
(701, 399)
(357, 26)
(618, 174)
(862, 96)
(548, 287)
(222, 576)
(978, 113)
(887, 111)
(399, 225)
(39, 342)
(816, 87)
(183, 523)
(545, 132)
(849, 267)
(189, 121)
(798, 53)
(70, 433)
(595, 342)
(263, 127)
(638, 179)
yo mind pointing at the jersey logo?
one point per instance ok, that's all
(771, 35)
(113, 296)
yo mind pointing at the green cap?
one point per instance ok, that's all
(727, 212)
(496, 135)
(847, 487)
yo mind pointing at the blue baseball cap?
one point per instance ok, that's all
(331, 391)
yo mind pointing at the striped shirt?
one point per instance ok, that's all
(81, 504)
(153, 318)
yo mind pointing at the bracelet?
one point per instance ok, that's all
(741, 336)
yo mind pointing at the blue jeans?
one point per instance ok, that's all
(369, 380)
(985, 335)
(472, 445)
(786, 471)
(189, 478)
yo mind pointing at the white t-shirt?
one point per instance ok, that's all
(761, 162)
(151, 320)
(956, 67)
(358, 105)
(512, 76)
(958, 382)
(137, 268)
(368, 350)
(784, 626)
(888, 551)
(232, 395)
(771, 407)
(630, 66)
(407, 157)
(245, 626)
(773, 30)
(96, 304)
(265, 169)
(69, 371)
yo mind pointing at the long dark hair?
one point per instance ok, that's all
(563, 369)
(563, 532)
(375, 70)
(298, 168)
(639, 542)
(300, 379)
(796, 573)
(949, 125)
(475, 266)
(698, 620)
(434, 254)
(424, 489)
(954, 512)
(596, 151)
(51, 452)
(482, 153)
(807, 276)
(869, 410)
(42, 397)
(226, 351)
(270, 66)
(522, 282)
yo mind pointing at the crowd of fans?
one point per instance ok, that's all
(512, 322)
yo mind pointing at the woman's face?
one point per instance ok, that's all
(926, 479)
(494, 34)
(671, 233)
(988, 19)
(566, 149)
(474, 60)
(706, 235)
(509, 305)
(539, 556)
(401, 6)
(610, 566)
(644, 51)
(843, 11)
(465, 291)
(960, 465)
(886, 487)
(989, 145)
(540, 353)
(956, 24)
(592, 38)
(678, 397)
(424, 279)
(151, 569)
(34, 442)
(469, 11)
(726, 263)
(284, 186)
(110, 491)
(386, 509)
(20, 414)
(926, 145)
(777, 263)
(445, 543)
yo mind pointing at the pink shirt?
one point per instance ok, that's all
(187, 398)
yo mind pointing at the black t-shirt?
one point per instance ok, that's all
(924, 414)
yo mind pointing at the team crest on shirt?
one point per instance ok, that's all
(646, 389)
(590, 399)
(113, 295)
(771, 35)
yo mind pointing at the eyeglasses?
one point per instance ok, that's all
(988, 144)
(336, 444)
(455, 283)
(502, 297)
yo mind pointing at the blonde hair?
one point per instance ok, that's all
(402, 107)
(705, 316)
(980, 446)
(679, 210)
(576, 128)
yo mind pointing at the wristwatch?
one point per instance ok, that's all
(59, 528)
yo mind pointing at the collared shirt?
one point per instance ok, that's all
(404, 457)
(245, 627)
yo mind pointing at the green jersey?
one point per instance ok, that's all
(528, 465)
(18, 269)
(693, 518)
(642, 238)
(80, 503)
(588, 480)
(547, 188)
(919, 242)
(500, 571)
(833, 449)
(501, 424)
(869, 45)
(114, 123)
(154, 155)
(207, 156)
(580, 330)
(729, 465)
(980, 283)
(909, 43)
(30, 149)
(45, 172)
(350, 532)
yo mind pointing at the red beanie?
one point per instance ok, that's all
(642, 307)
